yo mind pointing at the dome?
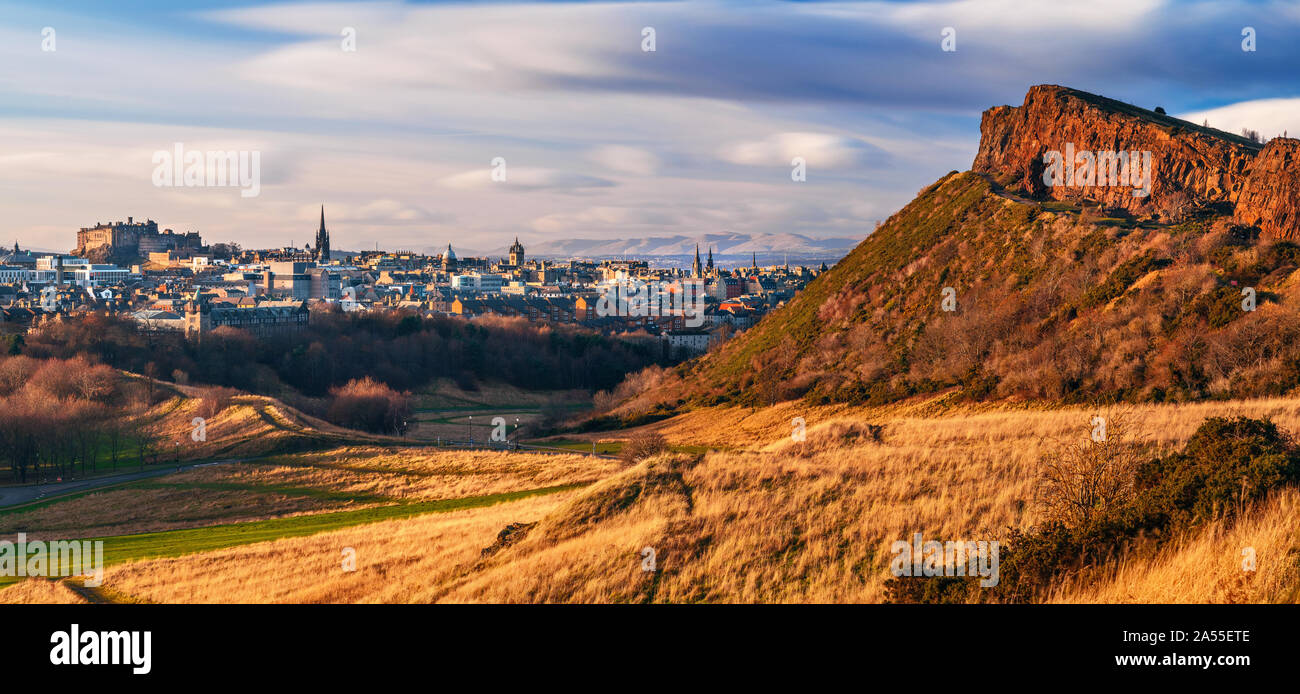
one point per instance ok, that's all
(450, 254)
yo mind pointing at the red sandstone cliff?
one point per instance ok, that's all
(1192, 165)
(1270, 199)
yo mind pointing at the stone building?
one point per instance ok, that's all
(517, 253)
(262, 321)
(133, 239)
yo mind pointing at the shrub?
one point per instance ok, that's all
(369, 405)
(642, 445)
(1227, 464)
(214, 400)
(1091, 477)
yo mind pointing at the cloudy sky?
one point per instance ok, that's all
(600, 138)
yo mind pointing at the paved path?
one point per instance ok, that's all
(10, 496)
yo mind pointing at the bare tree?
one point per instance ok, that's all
(1086, 478)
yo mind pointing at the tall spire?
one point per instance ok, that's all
(322, 239)
(696, 270)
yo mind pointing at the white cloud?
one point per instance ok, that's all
(1271, 117)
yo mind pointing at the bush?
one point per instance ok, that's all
(1226, 465)
(1091, 477)
(214, 400)
(1218, 307)
(369, 405)
(642, 445)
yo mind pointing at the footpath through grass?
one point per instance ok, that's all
(175, 543)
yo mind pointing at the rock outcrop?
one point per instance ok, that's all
(1191, 166)
(1270, 198)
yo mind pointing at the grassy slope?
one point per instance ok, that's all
(813, 521)
(943, 209)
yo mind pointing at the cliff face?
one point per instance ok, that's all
(1270, 199)
(1190, 164)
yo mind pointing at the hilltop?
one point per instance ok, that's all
(1055, 294)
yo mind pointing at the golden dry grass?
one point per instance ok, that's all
(807, 523)
(40, 591)
(396, 561)
(768, 520)
(812, 521)
(424, 473)
(1207, 565)
(936, 421)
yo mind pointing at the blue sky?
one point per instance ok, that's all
(601, 139)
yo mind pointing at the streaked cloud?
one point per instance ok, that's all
(606, 139)
(624, 159)
(521, 178)
(820, 150)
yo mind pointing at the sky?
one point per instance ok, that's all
(600, 138)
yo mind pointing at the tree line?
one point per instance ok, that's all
(402, 350)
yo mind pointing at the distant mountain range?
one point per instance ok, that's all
(723, 244)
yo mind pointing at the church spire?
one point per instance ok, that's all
(322, 239)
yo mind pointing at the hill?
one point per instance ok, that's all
(997, 289)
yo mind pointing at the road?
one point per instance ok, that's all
(10, 496)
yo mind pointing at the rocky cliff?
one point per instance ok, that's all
(1191, 166)
(1270, 198)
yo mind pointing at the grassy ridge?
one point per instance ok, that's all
(939, 210)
